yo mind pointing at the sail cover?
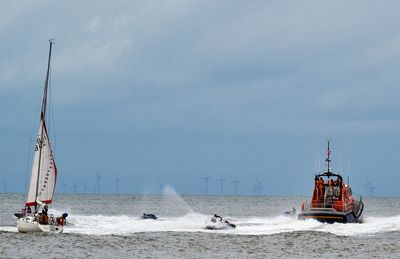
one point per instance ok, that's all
(44, 170)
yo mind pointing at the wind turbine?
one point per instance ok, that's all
(85, 188)
(64, 187)
(161, 187)
(221, 181)
(258, 187)
(98, 178)
(117, 180)
(206, 178)
(235, 185)
(4, 185)
(75, 188)
(369, 189)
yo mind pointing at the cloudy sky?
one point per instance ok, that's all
(169, 91)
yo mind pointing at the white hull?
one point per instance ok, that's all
(29, 224)
(219, 224)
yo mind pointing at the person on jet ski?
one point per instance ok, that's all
(216, 216)
(291, 212)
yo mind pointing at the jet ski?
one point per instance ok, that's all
(148, 216)
(290, 212)
(217, 222)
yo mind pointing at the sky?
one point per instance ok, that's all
(166, 92)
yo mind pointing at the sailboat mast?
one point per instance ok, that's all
(46, 84)
(40, 141)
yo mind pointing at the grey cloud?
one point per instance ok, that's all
(262, 71)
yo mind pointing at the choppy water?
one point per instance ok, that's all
(108, 227)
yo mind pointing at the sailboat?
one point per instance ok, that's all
(43, 178)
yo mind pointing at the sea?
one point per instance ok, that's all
(109, 226)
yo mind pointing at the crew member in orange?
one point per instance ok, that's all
(321, 187)
(60, 221)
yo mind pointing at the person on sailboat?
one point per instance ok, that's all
(61, 221)
(45, 210)
(44, 218)
(28, 210)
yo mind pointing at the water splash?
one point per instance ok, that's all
(195, 222)
(172, 199)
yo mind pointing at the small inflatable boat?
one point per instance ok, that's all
(148, 216)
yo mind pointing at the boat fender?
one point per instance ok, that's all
(360, 210)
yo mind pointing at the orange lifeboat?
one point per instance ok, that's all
(332, 200)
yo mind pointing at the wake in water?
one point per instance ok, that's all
(195, 222)
(192, 221)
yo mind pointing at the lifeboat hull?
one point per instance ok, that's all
(329, 216)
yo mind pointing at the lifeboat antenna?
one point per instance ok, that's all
(328, 159)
